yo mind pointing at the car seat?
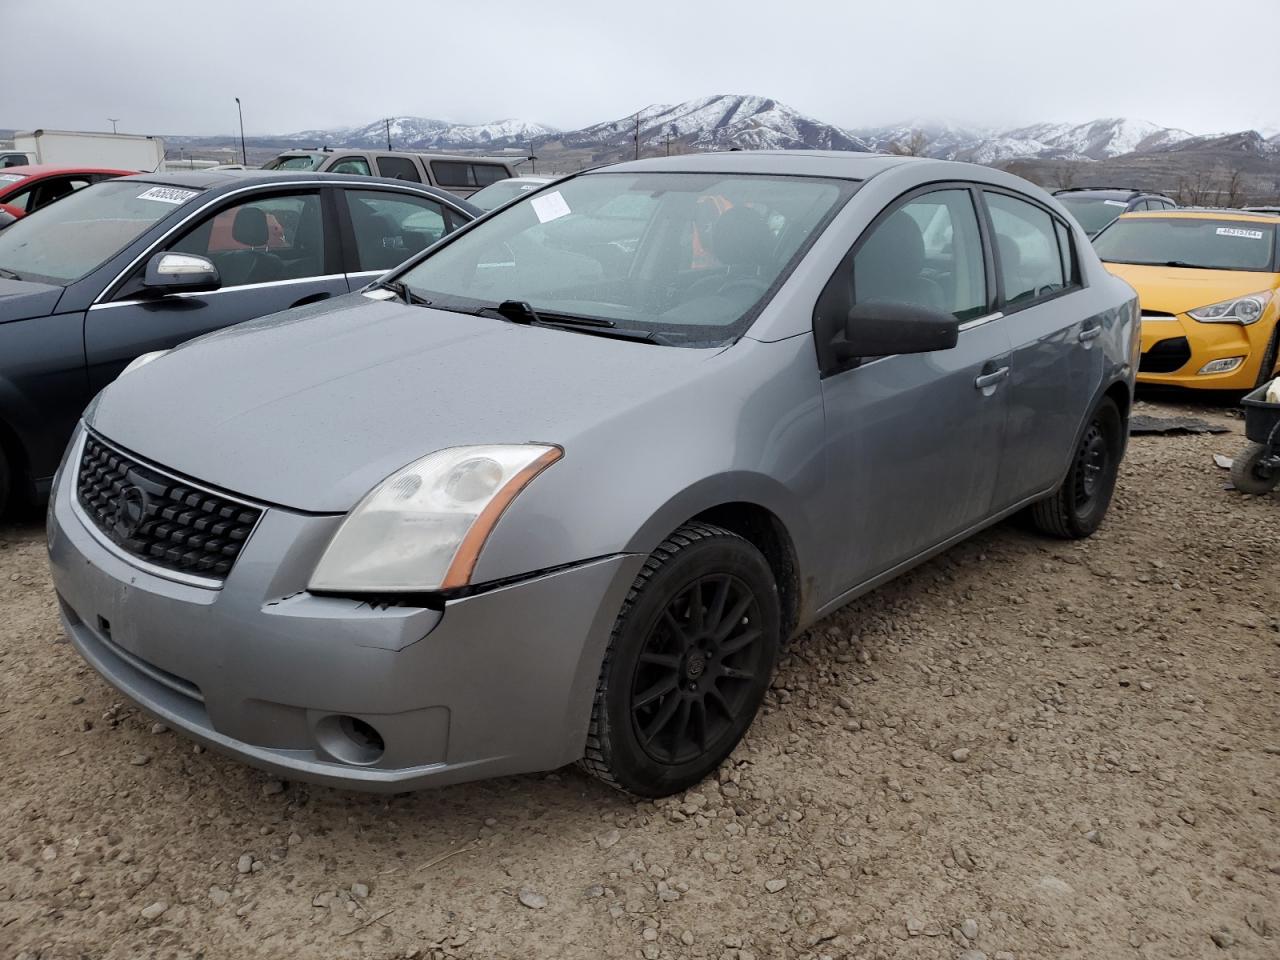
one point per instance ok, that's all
(743, 243)
(255, 263)
(890, 266)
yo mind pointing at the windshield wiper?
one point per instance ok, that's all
(9, 274)
(405, 293)
(520, 311)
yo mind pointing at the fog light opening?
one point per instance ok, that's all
(1225, 365)
(350, 739)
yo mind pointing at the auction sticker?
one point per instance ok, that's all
(1237, 232)
(551, 206)
(168, 195)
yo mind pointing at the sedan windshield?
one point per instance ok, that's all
(306, 161)
(1189, 242)
(69, 239)
(496, 194)
(1093, 213)
(686, 258)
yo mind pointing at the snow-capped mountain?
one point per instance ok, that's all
(719, 122)
(424, 133)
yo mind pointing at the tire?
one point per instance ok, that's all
(6, 483)
(1244, 473)
(1076, 509)
(1267, 369)
(678, 690)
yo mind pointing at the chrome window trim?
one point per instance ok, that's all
(210, 293)
(376, 184)
(176, 576)
(979, 321)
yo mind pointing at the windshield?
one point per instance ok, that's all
(684, 257)
(496, 194)
(69, 239)
(1093, 213)
(306, 161)
(1189, 242)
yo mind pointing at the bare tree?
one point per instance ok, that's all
(1064, 177)
(1195, 191)
(913, 146)
(1236, 195)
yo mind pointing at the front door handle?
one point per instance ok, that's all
(1090, 333)
(991, 379)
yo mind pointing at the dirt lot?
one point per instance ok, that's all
(1025, 749)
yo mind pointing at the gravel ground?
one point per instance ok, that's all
(1024, 749)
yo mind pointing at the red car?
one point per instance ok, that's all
(23, 189)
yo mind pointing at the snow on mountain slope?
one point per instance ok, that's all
(425, 133)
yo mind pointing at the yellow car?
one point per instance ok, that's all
(1209, 285)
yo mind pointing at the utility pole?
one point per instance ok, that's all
(637, 136)
(244, 154)
(533, 161)
(668, 143)
(113, 121)
(388, 123)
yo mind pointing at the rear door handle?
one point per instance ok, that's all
(991, 379)
(1090, 333)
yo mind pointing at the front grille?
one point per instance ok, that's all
(1165, 356)
(159, 518)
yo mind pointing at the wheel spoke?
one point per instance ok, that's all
(700, 720)
(680, 730)
(676, 626)
(661, 719)
(740, 642)
(697, 612)
(734, 673)
(734, 618)
(659, 689)
(714, 694)
(668, 661)
(715, 612)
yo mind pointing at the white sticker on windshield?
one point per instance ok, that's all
(550, 207)
(173, 195)
(1115, 203)
(11, 177)
(1237, 232)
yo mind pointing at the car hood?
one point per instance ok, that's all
(313, 407)
(24, 299)
(1179, 289)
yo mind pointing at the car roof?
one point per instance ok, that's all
(1205, 213)
(1090, 192)
(52, 169)
(338, 151)
(841, 164)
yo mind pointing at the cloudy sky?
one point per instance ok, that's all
(174, 67)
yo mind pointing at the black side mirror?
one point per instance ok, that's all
(181, 273)
(883, 329)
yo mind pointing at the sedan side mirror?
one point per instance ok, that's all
(181, 273)
(883, 329)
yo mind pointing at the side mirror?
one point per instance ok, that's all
(180, 273)
(884, 329)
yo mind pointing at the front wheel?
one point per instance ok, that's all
(1076, 509)
(690, 658)
(1247, 475)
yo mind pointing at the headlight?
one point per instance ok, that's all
(142, 361)
(1245, 310)
(422, 528)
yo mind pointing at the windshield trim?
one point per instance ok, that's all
(846, 188)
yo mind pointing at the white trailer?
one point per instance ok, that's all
(120, 151)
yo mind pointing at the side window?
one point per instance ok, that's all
(453, 173)
(1027, 253)
(928, 252)
(356, 165)
(487, 173)
(22, 199)
(389, 228)
(262, 239)
(398, 168)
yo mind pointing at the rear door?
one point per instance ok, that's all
(913, 441)
(1057, 369)
(274, 249)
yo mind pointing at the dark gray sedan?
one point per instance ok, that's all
(142, 263)
(540, 496)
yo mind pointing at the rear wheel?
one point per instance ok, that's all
(1245, 474)
(690, 658)
(1077, 507)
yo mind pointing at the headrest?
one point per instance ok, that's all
(741, 238)
(250, 227)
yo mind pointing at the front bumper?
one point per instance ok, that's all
(497, 683)
(1167, 339)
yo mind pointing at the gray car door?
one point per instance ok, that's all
(913, 441)
(273, 250)
(1055, 371)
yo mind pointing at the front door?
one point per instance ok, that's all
(914, 441)
(273, 251)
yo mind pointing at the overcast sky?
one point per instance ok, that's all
(175, 67)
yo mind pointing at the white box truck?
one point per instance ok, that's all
(69, 148)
